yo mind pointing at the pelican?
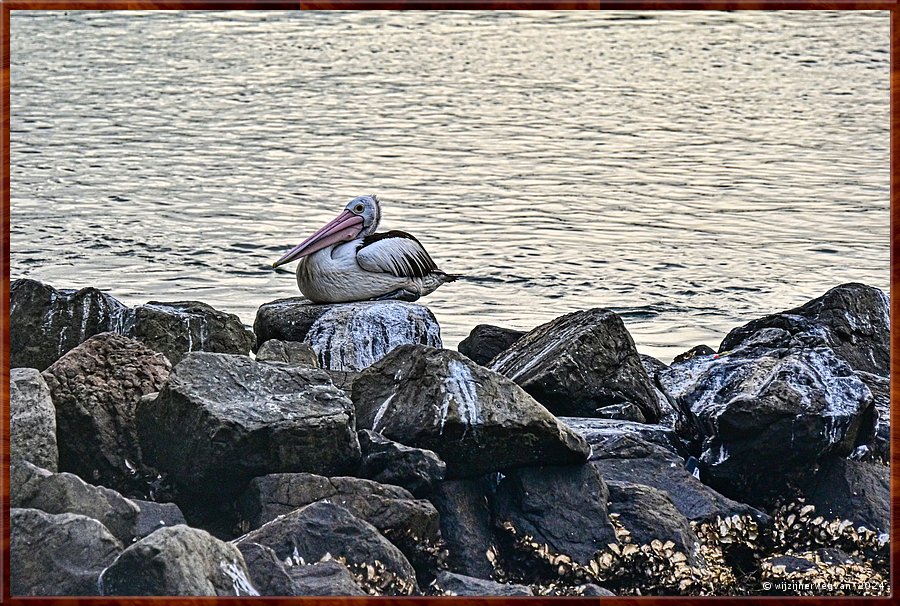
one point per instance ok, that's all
(347, 261)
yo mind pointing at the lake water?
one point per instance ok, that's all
(690, 170)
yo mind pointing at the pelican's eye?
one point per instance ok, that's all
(358, 208)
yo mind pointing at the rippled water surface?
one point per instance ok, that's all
(691, 170)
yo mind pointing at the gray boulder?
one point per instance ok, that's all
(485, 342)
(762, 417)
(178, 561)
(466, 524)
(45, 323)
(326, 578)
(267, 572)
(32, 419)
(306, 535)
(475, 420)
(56, 493)
(223, 419)
(562, 507)
(389, 462)
(852, 319)
(153, 516)
(579, 363)
(348, 336)
(287, 352)
(61, 554)
(451, 583)
(95, 388)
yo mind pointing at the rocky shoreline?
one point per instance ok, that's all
(167, 449)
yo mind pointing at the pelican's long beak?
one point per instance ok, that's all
(343, 228)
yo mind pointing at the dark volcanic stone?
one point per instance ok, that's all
(465, 518)
(763, 417)
(852, 490)
(177, 328)
(288, 352)
(45, 323)
(852, 319)
(563, 507)
(32, 423)
(486, 341)
(326, 528)
(60, 554)
(224, 419)
(323, 578)
(267, 572)
(450, 583)
(36, 488)
(348, 336)
(389, 462)
(180, 561)
(579, 363)
(154, 516)
(475, 420)
(95, 388)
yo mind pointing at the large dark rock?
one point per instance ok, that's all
(563, 507)
(153, 516)
(179, 327)
(650, 515)
(95, 388)
(598, 432)
(852, 319)
(877, 447)
(223, 419)
(629, 458)
(579, 363)
(763, 416)
(181, 561)
(45, 323)
(348, 336)
(60, 554)
(485, 342)
(32, 419)
(326, 578)
(308, 534)
(287, 352)
(475, 420)
(389, 462)
(852, 490)
(466, 526)
(267, 572)
(450, 583)
(36, 488)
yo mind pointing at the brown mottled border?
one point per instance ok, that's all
(8, 5)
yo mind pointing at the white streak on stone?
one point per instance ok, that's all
(380, 412)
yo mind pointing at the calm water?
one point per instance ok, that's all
(691, 170)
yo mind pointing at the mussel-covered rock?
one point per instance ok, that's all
(306, 535)
(95, 388)
(451, 583)
(485, 342)
(348, 336)
(45, 323)
(415, 469)
(223, 419)
(32, 419)
(851, 319)
(475, 420)
(324, 578)
(287, 352)
(36, 488)
(181, 561)
(563, 507)
(57, 554)
(466, 524)
(851, 490)
(579, 363)
(763, 417)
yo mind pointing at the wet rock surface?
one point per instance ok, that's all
(32, 422)
(348, 336)
(61, 554)
(179, 561)
(475, 420)
(450, 583)
(95, 389)
(580, 363)
(485, 342)
(288, 352)
(389, 462)
(223, 419)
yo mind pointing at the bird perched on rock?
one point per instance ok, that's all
(347, 261)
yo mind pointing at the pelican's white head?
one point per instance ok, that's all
(369, 209)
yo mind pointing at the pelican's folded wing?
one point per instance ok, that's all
(396, 253)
